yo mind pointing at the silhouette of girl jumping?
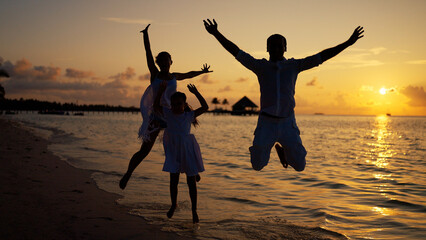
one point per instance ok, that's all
(151, 124)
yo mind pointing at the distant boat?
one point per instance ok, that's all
(318, 113)
(53, 112)
(388, 114)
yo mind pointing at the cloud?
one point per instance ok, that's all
(313, 82)
(145, 77)
(225, 89)
(417, 62)
(377, 50)
(127, 20)
(340, 99)
(416, 94)
(366, 88)
(359, 58)
(47, 83)
(206, 79)
(241, 79)
(74, 73)
(23, 69)
(126, 75)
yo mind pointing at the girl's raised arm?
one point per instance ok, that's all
(149, 58)
(182, 76)
(204, 106)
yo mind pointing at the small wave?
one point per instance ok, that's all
(331, 185)
(399, 203)
(228, 165)
(97, 150)
(246, 201)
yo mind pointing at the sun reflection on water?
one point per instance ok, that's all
(381, 210)
(381, 149)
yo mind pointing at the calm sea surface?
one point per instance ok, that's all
(365, 176)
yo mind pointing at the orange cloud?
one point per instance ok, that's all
(145, 77)
(417, 95)
(47, 83)
(225, 89)
(313, 82)
(241, 79)
(206, 79)
(74, 73)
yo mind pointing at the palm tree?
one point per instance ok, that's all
(215, 101)
(2, 92)
(225, 102)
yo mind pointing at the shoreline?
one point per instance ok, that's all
(43, 197)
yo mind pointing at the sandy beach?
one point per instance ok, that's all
(43, 197)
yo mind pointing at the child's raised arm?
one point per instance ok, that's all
(157, 106)
(182, 76)
(149, 58)
(204, 106)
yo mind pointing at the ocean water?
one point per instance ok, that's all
(365, 176)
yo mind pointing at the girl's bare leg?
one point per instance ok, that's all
(137, 158)
(192, 185)
(174, 181)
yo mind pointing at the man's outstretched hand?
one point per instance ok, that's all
(358, 33)
(210, 26)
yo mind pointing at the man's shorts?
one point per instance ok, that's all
(270, 130)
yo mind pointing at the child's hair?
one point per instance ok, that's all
(188, 108)
(163, 55)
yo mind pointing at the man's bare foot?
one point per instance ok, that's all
(195, 218)
(281, 155)
(171, 211)
(198, 178)
(124, 180)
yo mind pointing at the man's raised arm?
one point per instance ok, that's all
(211, 27)
(331, 52)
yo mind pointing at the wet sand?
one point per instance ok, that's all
(43, 197)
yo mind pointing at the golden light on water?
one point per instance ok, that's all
(381, 150)
(382, 211)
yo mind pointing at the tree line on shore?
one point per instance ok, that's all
(36, 105)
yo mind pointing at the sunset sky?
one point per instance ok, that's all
(92, 51)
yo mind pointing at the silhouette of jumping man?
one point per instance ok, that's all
(152, 124)
(277, 79)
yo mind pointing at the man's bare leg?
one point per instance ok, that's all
(281, 155)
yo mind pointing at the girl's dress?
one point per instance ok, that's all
(152, 122)
(182, 151)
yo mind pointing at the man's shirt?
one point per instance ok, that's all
(277, 81)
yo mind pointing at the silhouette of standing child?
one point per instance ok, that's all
(152, 124)
(181, 148)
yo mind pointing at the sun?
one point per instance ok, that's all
(382, 91)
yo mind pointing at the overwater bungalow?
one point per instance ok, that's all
(244, 107)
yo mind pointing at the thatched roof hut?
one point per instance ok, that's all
(244, 106)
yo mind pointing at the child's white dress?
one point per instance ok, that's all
(182, 151)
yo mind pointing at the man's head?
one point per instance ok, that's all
(276, 45)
